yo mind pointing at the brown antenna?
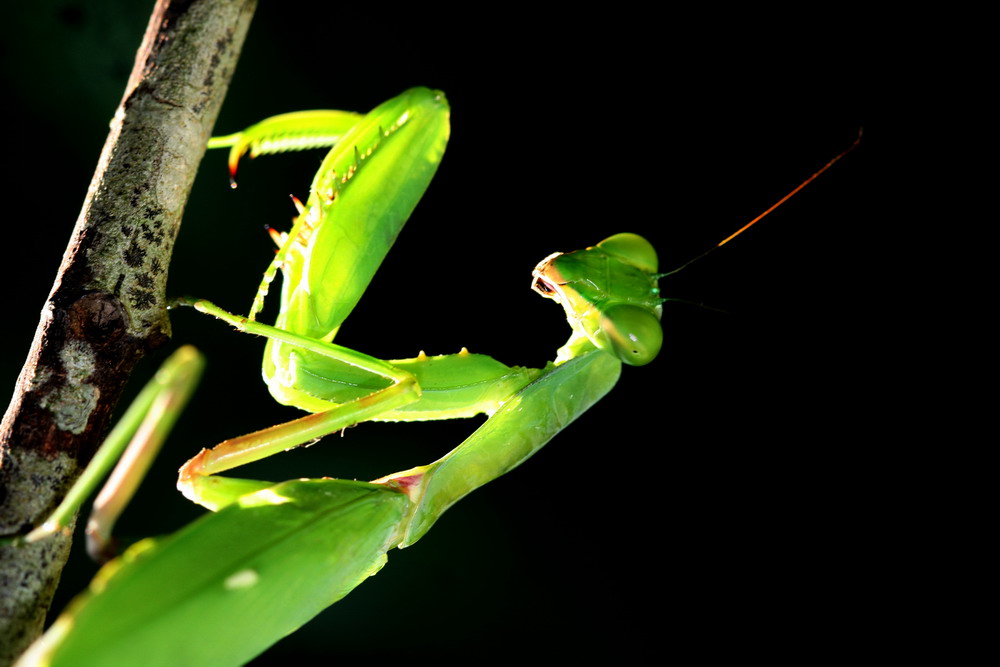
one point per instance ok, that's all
(771, 208)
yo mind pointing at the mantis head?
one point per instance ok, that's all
(610, 295)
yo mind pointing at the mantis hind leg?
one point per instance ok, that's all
(195, 480)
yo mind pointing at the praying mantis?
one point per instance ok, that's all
(275, 555)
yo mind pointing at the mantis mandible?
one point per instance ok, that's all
(270, 557)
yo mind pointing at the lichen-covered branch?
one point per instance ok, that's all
(107, 307)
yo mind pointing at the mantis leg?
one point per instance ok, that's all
(216, 492)
(133, 443)
(295, 131)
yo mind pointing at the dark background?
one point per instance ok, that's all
(716, 501)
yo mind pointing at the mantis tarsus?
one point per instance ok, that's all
(275, 555)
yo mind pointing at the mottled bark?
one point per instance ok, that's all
(107, 307)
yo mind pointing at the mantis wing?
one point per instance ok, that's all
(232, 583)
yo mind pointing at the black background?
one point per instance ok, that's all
(715, 502)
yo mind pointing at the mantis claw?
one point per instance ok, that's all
(181, 302)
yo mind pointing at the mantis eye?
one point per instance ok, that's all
(633, 249)
(635, 333)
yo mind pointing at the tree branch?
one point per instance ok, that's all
(107, 307)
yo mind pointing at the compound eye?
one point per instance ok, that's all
(635, 333)
(633, 249)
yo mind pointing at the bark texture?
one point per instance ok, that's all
(107, 307)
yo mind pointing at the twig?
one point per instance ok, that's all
(107, 305)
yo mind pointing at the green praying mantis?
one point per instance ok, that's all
(270, 557)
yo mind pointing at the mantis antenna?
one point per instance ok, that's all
(770, 209)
